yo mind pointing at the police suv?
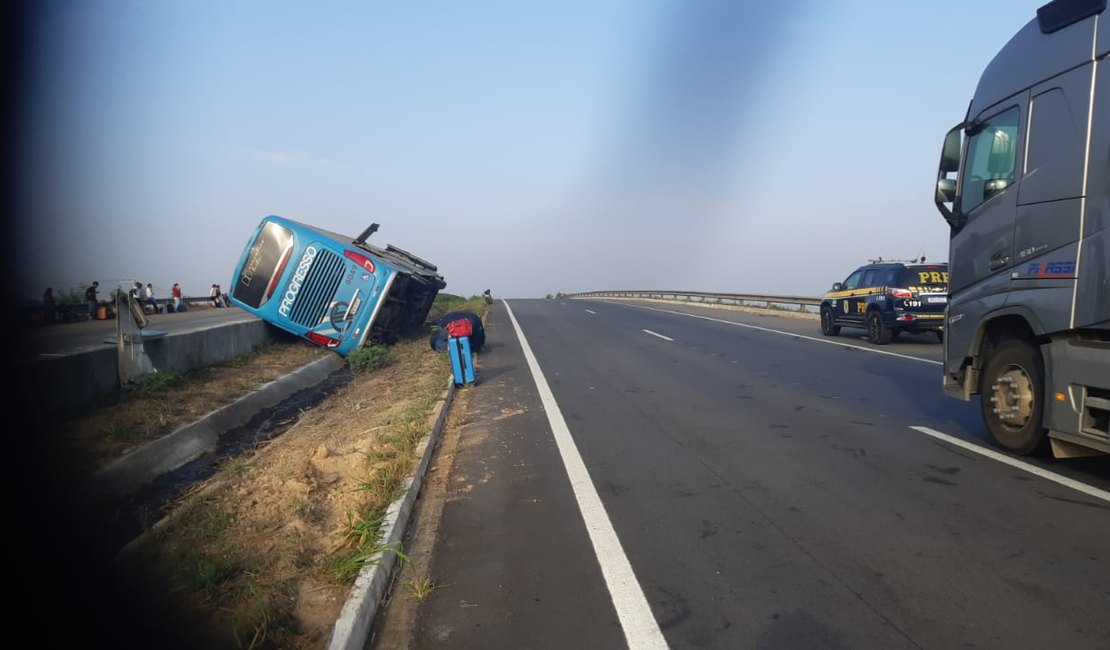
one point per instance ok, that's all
(887, 298)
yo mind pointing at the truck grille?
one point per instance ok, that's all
(318, 289)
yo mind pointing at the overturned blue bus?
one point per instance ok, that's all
(336, 291)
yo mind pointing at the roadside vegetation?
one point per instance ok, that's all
(160, 403)
(263, 553)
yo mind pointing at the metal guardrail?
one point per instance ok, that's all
(800, 303)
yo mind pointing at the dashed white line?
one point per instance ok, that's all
(665, 338)
(590, 311)
(1013, 462)
(639, 625)
(785, 333)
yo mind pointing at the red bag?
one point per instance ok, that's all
(459, 328)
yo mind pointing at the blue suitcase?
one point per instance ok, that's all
(462, 363)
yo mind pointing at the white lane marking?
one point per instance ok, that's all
(1013, 462)
(639, 625)
(590, 311)
(665, 338)
(784, 333)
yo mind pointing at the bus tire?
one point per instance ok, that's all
(1011, 397)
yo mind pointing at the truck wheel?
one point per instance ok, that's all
(827, 326)
(877, 331)
(1011, 397)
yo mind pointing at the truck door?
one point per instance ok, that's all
(1050, 199)
(982, 252)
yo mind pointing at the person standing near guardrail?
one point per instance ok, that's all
(148, 297)
(175, 293)
(91, 299)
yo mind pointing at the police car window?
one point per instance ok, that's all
(991, 155)
(870, 277)
(853, 280)
(889, 278)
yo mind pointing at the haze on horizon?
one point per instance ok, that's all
(624, 144)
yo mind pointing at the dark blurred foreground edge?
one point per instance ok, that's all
(57, 572)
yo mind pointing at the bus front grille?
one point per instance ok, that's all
(318, 289)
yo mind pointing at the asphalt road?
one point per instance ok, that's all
(717, 479)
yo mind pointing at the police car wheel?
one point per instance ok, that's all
(827, 326)
(877, 331)
(1011, 397)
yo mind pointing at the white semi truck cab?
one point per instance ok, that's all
(1024, 184)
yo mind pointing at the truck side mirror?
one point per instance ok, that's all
(945, 194)
(950, 155)
(994, 186)
(946, 190)
(837, 286)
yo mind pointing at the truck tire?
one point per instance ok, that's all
(1011, 397)
(828, 328)
(877, 331)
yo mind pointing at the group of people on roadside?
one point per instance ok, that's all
(142, 294)
(219, 298)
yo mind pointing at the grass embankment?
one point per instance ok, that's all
(161, 403)
(263, 553)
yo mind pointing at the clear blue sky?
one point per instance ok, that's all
(763, 147)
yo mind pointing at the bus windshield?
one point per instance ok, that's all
(266, 258)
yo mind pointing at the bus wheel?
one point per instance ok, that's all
(827, 326)
(877, 331)
(1011, 397)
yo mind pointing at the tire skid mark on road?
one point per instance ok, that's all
(1089, 490)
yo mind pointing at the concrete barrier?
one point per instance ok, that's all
(66, 385)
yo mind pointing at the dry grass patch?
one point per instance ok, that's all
(163, 402)
(262, 554)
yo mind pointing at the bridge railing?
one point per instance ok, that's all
(796, 303)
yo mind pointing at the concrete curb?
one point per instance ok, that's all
(352, 628)
(129, 473)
